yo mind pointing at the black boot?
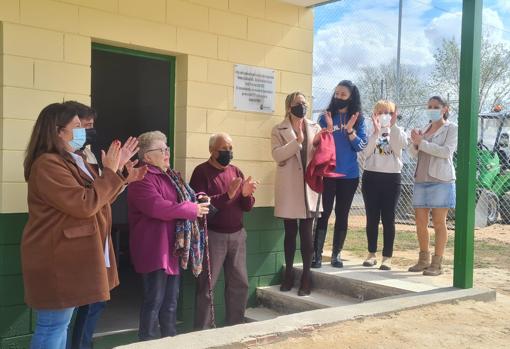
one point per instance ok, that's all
(318, 244)
(336, 260)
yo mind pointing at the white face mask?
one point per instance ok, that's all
(385, 120)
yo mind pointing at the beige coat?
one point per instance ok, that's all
(290, 194)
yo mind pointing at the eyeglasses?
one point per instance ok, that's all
(163, 151)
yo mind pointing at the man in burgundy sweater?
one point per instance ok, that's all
(231, 195)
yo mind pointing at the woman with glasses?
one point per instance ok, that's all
(159, 208)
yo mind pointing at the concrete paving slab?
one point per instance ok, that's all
(289, 302)
(260, 314)
(271, 330)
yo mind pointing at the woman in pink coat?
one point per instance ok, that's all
(293, 144)
(162, 213)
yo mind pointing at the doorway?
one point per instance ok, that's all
(132, 92)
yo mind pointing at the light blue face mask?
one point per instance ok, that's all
(433, 114)
(79, 138)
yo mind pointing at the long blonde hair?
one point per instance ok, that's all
(289, 99)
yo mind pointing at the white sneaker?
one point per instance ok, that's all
(370, 261)
(386, 263)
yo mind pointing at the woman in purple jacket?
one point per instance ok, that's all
(162, 218)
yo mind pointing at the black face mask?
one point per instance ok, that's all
(224, 157)
(340, 103)
(91, 136)
(298, 111)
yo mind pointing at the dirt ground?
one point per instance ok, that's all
(467, 324)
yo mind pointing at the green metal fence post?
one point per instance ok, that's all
(466, 155)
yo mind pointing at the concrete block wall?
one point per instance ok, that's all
(45, 53)
(45, 57)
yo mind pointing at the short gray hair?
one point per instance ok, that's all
(214, 138)
(146, 141)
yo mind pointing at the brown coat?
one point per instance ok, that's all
(62, 249)
(291, 197)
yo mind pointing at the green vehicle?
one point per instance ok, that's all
(493, 175)
(493, 169)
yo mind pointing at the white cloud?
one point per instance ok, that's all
(503, 5)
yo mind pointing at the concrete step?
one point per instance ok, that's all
(289, 302)
(260, 314)
(364, 283)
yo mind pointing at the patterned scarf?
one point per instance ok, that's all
(189, 235)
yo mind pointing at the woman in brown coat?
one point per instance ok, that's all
(66, 249)
(293, 143)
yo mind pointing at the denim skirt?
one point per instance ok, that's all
(434, 195)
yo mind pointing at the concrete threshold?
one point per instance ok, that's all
(241, 336)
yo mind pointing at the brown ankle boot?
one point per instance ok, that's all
(288, 280)
(423, 262)
(305, 288)
(435, 268)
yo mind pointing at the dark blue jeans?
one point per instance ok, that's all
(85, 324)
(159, 307)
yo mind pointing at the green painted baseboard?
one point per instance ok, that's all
(264, 261)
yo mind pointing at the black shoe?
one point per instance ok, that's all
(288, 282)
(336, 261)
(302, 292)
(317, 261)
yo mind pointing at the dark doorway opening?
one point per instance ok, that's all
(133, 92)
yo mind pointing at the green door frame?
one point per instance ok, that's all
(466, 155)
(159, 57)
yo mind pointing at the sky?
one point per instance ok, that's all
(351, 34)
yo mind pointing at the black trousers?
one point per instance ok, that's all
(381, 192)
(343, 191)
(159, 308)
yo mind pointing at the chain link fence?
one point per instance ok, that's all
(344, 49)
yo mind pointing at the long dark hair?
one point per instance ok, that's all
(44, 138)
(355, 99)
(442, 102)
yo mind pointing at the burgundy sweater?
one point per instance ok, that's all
(214, 182)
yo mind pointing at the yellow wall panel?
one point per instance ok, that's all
(32, 42)
(188, 15)
(46, 59)
(9, 10)
(49, 15)
(22, 103)
(232, 123)
(105, 5)
(289, 60)
(13, 197)
(62, 77)
(248, 7)
(197, 43)
(16, 133)
(221, 4)
(77, 49)
(220, 72)
(227, 23)
(265, 32)
(18, 71)
(153, 10)
(12, 166)
(282, 12)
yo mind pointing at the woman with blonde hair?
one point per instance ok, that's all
(381, 180)
(293, 142)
